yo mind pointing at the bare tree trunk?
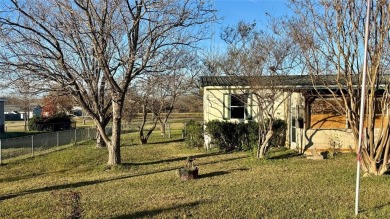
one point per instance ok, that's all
(103, 120)
(386, 160)
(114, 154)
(144, 138)
(162, 128)
(25, 122)
(264, 146)
(99, 140)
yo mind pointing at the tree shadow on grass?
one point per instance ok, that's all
(285, 156)
(79, 184)
(93, 182)
(136, 142)
(212, 174)
(167, 141)
(171, 160)
(224, 160)
(20, 177)
(26, 157)
(154, 212)
(220, 173)
(376, 208)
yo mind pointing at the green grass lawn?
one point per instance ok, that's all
(233, 185)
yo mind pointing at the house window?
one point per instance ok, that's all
(237, 106)
(293, 125)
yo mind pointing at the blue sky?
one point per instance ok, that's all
(233, 11)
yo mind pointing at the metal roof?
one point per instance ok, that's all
(287, 81)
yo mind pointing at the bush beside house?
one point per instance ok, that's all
(194, 134)
(230, 136)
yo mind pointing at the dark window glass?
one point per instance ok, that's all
(237, 112)
(237, 106)
(238, 100)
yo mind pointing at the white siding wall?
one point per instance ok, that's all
(321, 139)
(213, 105)
(325, 139)
(213, 101)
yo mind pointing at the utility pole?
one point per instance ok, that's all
(362, 105)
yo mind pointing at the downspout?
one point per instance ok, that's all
(205, 118)
(289, 121)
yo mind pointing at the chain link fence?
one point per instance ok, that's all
(34, 144)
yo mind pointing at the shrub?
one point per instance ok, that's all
(252, 135)
(279, 138)
(57, 122)
(229, 136)
(223, 134)
(194, 134)
(32, 123)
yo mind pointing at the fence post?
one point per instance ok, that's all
(58, 144)
(0, 154)
(169, 130)
(32, 145)
(75, 136)
(89, 138)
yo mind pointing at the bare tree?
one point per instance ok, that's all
(169, 81)
(25, 88)
(331, 37)
(150, 104)
(132, 105)
(177, 79)
(82, 46)
(262, 58)
(189, 103)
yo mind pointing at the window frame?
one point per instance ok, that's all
(246, 105)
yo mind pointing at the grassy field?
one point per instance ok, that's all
(173, 119)
(17, 128)
(233, 185)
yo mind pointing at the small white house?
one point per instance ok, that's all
(13, 113)
(311, 123)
